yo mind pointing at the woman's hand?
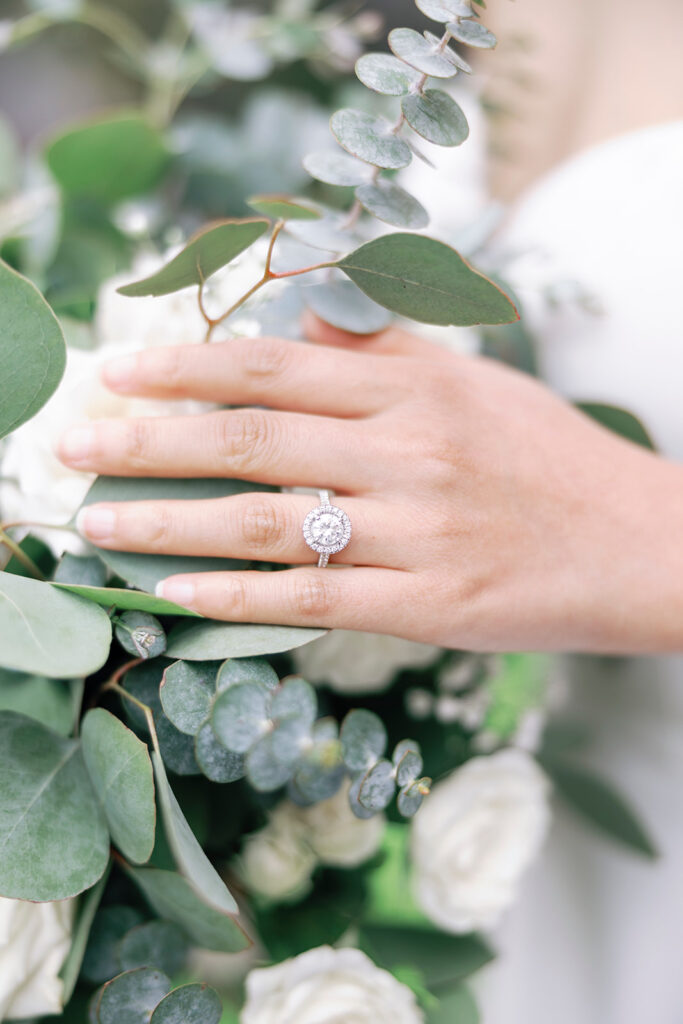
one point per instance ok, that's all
(487, 513)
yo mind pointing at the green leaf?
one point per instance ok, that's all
(206, 252)
(602, 804)
(426, 280)
(240, 716)
(110, 159)
(114, 597)
(444, 10)
(420, 54)
(121, 772)
(369, 138)
(363, 738)
(392, 204)
(378, 786)
(47, 632)
(386, 74)
(191, 860)
(71, 967)
(172, 897)
(436, 117)
(217, 763)
(81, 570)
(409, 800)
(189, 1004)
(295, 699)
(213, 641)
(101, 960)
(408, 767)
(54, 841)
(32, 350)
(140, 634)
(283, 208)
(145, 571)
(442, 959)
(186, 693)
(246, 670)
(456, 60)
(177, 749)
(618, 420)
(390, 877)
(343, 305)
(334, 168)
(455, 1007)
(131, 998)
(160, 944)
(54, 702)
(472, 33)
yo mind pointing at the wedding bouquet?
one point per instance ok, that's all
(186, 800)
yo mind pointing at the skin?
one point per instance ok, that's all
(487, 513)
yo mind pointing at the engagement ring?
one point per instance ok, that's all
(327, 529)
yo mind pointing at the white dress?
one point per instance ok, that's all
(597, 936)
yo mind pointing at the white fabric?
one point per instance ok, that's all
(596, 937)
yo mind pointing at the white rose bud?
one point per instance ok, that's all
(337, 837)
(475, 836)
(277, 861)
(34, 941)
(352, 662)
(327, 986)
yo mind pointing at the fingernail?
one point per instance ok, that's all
(76, 444)
(176, 591)
(96, 522)
(119, 374)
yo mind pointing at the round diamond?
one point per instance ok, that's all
(327, 529)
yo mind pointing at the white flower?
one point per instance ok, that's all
(34, 941)
(474, 837)
(337, 837)
(353, 662)
(328, 986)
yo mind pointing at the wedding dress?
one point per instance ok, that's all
(597, 934)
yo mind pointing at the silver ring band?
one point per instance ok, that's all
(326, 529)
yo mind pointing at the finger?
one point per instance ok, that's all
(374, 600)
(249, 444)
(262, 371)
(259, 526)
(393, 342)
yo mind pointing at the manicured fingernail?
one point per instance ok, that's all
(119, 374)
(96, 522)
(76, 444)
(176, 591)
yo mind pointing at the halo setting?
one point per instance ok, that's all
(327, 529)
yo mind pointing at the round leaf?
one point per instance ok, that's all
(121, 772)
(445, 10)
(54, 841)
(392, 204)
(87, 571)
(186, 692)
(246, 670)
(213, 641)
(54, 702)
(140, 634)
(130, 998)
(189, 1004)
(320, 772)
(336, 168)
(449, 53)
(240, 716)
(363, 739)
(420, 53)
(160, 944)
(177, 749)
(217, 763)
(343, 305)
(410, 798)
(386, 74)
(32, 350)
(354, 803)
(283, 208)
(369, 138)
(377, 787)
(408, 768)
(206, 252)
(472, 33)
(426, 280)
(295, 699)
(265, 770)
(436, 117)
(101, 960)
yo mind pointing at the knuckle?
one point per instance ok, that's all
(234, 598)
(157, 527)
(244, 438)
(263, 527)
(312, 597)
(138, 445)
(265, 358)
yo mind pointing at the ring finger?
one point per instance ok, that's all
(258, 526)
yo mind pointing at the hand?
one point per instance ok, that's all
(487, 513)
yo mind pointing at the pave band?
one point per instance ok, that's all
(327, 529)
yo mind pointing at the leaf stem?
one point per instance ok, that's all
(145, 708)
(22, 557)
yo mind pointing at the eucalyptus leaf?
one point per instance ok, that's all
(266, 770)
(240, 716)
(319, 773)
(283, 208)
(121, 773)
(411, 797)
(335, 168)
(427, 281)
(620, 421)
(420, 53)
(295, 698)
(54, 841)
(115, 597)
(140, 634)
(94, 159)
(161, 944)
(131, 997)
(363, 738)
(54, 702)
(343, 305)
(443, 959)
(445, 10)
(186, 693)
(88, 905)
(458, 1004)
(205, 253)
(408, 768)
(32, 350)
(81, 570)
(472, 33)
(177, 748)
(359, 809)
(217, 763)
(246, 670)
(190, 858)
(458, 62)
(101, 961)
(213, 641)
(189, 1004)
(436, 117)
(378, 786)
(386, 74)
(172, 897)
(389, 202)
(369, 138)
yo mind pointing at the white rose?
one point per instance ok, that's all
(337, 837)
(277, 861)
(34, 941)
(328, 986)
(352, 662)
(474, 837)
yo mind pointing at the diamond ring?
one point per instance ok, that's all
(327, 529)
